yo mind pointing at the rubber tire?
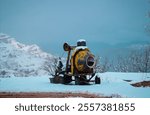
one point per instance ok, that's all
(77, 80)
(67, 79)
(83, 80)
(97, 80)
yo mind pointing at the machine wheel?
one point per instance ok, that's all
(67, 79)
(83, 80)
(56, 79)
(97, 80)
(77, 80)
(80, 80)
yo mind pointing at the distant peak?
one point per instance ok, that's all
(30, 49)
(4, 36)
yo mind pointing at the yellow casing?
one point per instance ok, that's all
(76, 56)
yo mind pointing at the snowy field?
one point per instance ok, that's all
(111, 84)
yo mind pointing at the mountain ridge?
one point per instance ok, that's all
(18, 59)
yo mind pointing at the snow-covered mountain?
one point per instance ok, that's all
(17, 59)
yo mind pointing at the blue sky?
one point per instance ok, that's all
(50, 23)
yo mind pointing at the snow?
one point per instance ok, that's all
(81, 40)
(17, 59)
(80, 47)
(112, 84)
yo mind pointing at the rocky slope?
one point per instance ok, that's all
(17, 59)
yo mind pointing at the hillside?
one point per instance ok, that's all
(20, 60)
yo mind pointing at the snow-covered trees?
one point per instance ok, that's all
(147, 27)
(136, 61)
(50, 67)
(102, 66)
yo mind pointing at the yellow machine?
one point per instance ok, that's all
(80, 66)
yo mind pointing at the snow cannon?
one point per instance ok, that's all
(80, 66)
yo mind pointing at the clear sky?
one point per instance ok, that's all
(50, 23)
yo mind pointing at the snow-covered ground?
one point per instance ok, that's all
(112, 84)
